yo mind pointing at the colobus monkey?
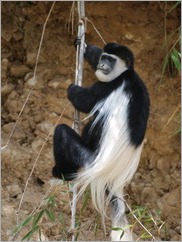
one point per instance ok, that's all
(107, 154)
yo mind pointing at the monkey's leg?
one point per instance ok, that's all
(70, 152)
(119, 220)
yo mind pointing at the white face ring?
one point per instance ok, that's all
(119, 68)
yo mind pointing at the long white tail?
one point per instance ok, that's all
(117, 159)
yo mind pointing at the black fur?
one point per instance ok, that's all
(71, 151)
(121, 51)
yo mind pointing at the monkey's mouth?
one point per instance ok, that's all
(103, 70)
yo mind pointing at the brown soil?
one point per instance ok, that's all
(140, 26)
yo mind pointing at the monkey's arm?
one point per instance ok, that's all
(92, 55)
(83, 99)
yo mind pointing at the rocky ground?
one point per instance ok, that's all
(139, 25)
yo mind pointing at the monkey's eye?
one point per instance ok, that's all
(109, 58)
(103, 57)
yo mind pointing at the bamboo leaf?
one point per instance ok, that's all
(122, 229)
(61, 218)
(176, 59)
(117, 229)
(145, 236)
(50, 200)
(121, 234)
(50, 215)
(30, 233)
(24, 223)
(37, 218)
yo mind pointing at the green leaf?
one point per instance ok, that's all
(176, 59)
(122, 229)
(24, 223)
(30, 233)
(50, 200)
(50, 215)
(37, 218)
(61, 218)
(145, 236)
(122, 234)
(117, 229)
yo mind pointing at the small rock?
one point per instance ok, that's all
(18, 35)
(174, 197)
(4, 67)
(14, 95)
(19, 70)
(25, 124)
(32, 81)
(13, 106)
(29, 78)
(59, 82)
(163, 165)
(7, 34)
(148, 195)
(45, 127)
(18, 133)
(6, 89)
(31, 58)
(38, 81)
(129, 36)
(32, 197)
(14, 190)
(37, 144)
(55, 83)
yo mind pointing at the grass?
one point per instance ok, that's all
(152, 222)
(172, 45)
(51, 214)
(171, 63)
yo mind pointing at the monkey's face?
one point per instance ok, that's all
(109, 67)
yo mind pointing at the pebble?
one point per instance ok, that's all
(163, 165)
(45, 127)
(13, 106)
(6, 89)
(60, 82)
(37, 144)
(4, 67)
(174, 197)
(18, 133)
(19, 70)
(14, 190)
(31, 58)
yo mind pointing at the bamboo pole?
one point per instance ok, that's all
(78, 81)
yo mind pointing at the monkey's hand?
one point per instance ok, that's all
(70, 91)
(77, 42)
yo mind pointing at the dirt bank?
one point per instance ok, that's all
(140, 26)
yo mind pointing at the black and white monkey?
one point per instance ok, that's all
(106, 155)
